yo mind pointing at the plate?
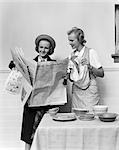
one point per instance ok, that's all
(64, 117)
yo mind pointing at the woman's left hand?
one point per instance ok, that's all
(65, 82)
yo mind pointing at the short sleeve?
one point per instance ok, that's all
(94, 59)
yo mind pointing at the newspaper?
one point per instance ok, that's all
(27, 70)
(26, 67)
(46, 79)
(26, 91)
(48, 86)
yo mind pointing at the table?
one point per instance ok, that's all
(76, 135)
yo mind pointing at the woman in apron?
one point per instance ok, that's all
(83, 69)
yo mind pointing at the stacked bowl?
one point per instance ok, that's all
(99, 109)
(108, 117)
(79, 111)
(53, 111)
(83, 114)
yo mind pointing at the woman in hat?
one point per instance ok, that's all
(84, 67)
(45, 46)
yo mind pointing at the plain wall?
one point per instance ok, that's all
(22, 21)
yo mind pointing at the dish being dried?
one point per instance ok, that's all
(108, 117)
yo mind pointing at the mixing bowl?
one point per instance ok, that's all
(53, 111)
(78, 111)
(108, 117)
(87, 117)
(99, 109)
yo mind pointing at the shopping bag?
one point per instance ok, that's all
(13, 83)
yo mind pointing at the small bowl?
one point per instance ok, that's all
(53, 111)
(108, 117)
(100, 109)
(79, 112)
(87, 117)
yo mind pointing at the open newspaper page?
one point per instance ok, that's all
(26, 91)
(26, 67)
(48, 86)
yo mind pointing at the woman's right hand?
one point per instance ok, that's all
(84, 61)
(11, 65)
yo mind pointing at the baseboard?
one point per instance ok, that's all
(106, 69)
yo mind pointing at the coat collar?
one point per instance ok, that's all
(48, 58)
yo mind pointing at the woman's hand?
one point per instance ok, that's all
(11, 65)
(65, 82)
(84, 61)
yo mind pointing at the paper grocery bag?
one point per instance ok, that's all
(13, 83)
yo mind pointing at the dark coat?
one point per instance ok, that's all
(29, 115)
(48, 58)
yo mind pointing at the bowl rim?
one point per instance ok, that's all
(88, 115)
(114, 115)
(107, 119)
(100, 106)
(80, 109)
(53, 110)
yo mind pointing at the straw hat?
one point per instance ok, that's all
(45, 37)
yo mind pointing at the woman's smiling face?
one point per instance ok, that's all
(73, 41)
(44, 48)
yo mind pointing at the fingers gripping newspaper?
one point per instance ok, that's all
(44, 80)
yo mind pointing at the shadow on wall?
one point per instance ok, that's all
(67, 107)
(102, 89)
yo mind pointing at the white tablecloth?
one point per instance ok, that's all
(76, 135)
